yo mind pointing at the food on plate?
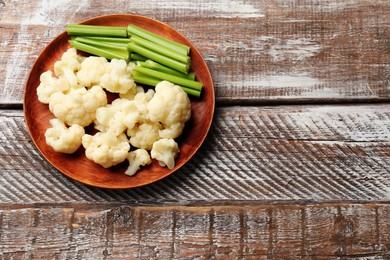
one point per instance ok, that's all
(158, 58)
(139, 124)
(171, 107)
(107, 148)
(137, 158)
(165, 151)
(64, 139)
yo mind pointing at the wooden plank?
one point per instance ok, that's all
(242, 232)
(268, 51)
(305, 153)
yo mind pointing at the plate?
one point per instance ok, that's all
(76, 166)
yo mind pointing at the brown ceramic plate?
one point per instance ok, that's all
(77, 166)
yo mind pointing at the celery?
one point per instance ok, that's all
(156, 66)
(144, 79)
(174, 79)
(151, 81)
(108, 47)
(192, 92)
(109, 40)
(96, 30)
(178, 47)
(137, 57)
(99, 50)
(160, 49)
(174, 64)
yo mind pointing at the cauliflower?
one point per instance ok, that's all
(170, 106)
(165, 151)
(67, 66)
(50, 85)
(77, 107)
(137, 158)
(106, 149)
(138, 93)
(120, 115)
(144, 97)
(116, 78)
(63, 139)
(91, 69)
(144, 135)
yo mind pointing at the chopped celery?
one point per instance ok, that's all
(178, 47)
(174, 64)
(174, 79)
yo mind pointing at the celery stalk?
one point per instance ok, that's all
(99, 50)
(137, 57)
(178, 47)
(156, 66)
(174, 64)
(151, 81)
(96, 30)
(160, 49)
(110, 40)
(174, 79)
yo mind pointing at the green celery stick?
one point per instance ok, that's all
(156, 66)
(99, 51)
(160, 49)
(174, 79)
(151, 81)
(137, 57)
(96, 30)
(178, 47)
(174, 64)
(122, 49)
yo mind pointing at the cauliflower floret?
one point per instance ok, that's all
(63, 139)
(170, 106)
(91, 69)
(137, 158)
(50, 85)
(116, 78)
(165, 151)
(120, 115)
(106, 149)
(67, 66)
(144, 97)
(144, 135)
(77, 107)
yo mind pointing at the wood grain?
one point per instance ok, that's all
(242, 232)
(269, 51)
(300, 153)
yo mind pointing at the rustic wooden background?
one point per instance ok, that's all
(296, 165)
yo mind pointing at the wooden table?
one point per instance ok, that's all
(296, 165)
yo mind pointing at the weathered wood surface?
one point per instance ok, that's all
(291, 181)
(256, 232)
(258, 51)
(305, 153)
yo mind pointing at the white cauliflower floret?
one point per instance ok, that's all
(131, 93)
(63, 139)
(91, 69)
(116, 78)
(106, 149)
(165, 151)
(68, 66)
(144, 135)
(50, 85)
(77, 107)
(144, 97)
(137, 158)
(120, 115)
(170, 106)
